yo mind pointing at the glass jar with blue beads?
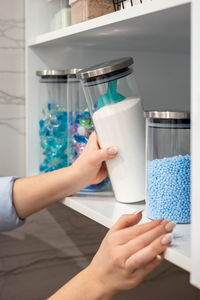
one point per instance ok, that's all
(168, 164)
(52, 120)
(80, 125)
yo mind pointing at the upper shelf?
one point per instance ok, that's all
(106, 211)
(155, 26)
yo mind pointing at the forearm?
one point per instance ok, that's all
(34, 193)
(83, 286)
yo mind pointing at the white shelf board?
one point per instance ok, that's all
(106, 211)
(155, 26)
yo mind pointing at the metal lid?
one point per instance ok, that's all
(72, 71)
(105, 68)
(167, 114)
(51, 73)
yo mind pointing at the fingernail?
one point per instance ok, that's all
(164, 222)
(170, 226)
(158, 257)
(138, 211)
(112, 150)
(166, 239)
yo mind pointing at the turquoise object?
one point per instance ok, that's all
(112, 96)
(53, 137)
(78, 142)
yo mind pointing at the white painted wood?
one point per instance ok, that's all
(135, 28)
(39, 14)
(195, 107)
(106, 211)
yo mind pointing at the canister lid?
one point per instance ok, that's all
(72, 71)
(105, 68)
(167, 114)
(51, 73)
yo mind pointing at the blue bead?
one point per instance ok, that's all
(168, 188)
(80, 139)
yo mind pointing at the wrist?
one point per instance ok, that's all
(80, 175)
(102, 293)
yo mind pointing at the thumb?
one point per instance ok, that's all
(104, 154)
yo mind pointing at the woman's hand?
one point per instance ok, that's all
(128, 253)
(91, 163)
(31, 194)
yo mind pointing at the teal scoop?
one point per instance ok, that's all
(112, 96)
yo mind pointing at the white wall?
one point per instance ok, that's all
(12, 103)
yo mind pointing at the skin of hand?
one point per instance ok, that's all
(92, 161)
(34, 193)
(128, 253)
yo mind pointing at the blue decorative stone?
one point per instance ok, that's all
(168, 188)
(62, 116)
(43, 168)
(52, 106)
(80, 139)
(81, 127)
(53, 137)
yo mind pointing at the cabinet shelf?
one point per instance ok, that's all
(106, 211)
(134, 28)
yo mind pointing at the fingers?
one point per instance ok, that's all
(149, 253)
(127, 234)
(102, 174)
(147, 238)
(143, 272)
(106, 154)
(153, 265)
(100, 155)
(126, 221)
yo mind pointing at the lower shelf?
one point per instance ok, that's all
(104, 209)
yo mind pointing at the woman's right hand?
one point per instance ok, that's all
(129, 252)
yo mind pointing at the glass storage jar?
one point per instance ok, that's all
(83, 10)
(52, 120)
(60, 14)
(80, 125)
(168, 165)
(115, 105)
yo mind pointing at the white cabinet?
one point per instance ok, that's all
(159, 36)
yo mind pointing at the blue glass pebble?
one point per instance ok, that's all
(53, 137)
(79, 138)
(168, 188)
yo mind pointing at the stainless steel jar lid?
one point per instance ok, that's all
(105, 68)
(51, 73)
(167, 114)
(72, 71)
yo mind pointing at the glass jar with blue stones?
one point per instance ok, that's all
(168, 163)
(80, 125)
(52, 120)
